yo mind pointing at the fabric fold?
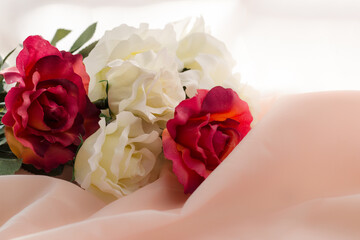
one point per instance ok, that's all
(294, 176)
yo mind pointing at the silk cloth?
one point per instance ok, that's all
(296, 175)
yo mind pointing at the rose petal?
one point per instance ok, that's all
(192, 163)
(22, 109)
(188, 108)
(37, 117)
(78, 67)
(91, 118)
(62, 96)
(34, 48)
(12, 100)
(12, 75)
(224, 103)
(213, 143)
(188, 135)
(35, 143)
(218, 100)
(233, 141)
(206, 138)
(54, 156)
(64, 74)
(219, 141)
(188, 178)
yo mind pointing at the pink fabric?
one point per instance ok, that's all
(296, 175)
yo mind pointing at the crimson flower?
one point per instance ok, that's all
(203, 132)
(48, 109)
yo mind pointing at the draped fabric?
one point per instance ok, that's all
(294, 176)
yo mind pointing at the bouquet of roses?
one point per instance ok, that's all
(122, 106)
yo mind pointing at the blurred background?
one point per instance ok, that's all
(279, 45)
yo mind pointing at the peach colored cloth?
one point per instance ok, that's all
(295, 176)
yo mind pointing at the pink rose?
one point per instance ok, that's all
(203, 132)
(48, 110)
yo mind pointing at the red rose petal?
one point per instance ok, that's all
(219, 141)
(37, 117)
(59, 93)
(188, 178)
(35, 143)
(64, 92)
(207, 134)
(91, 119)
(34, 48)
(22, 110)
(55, 156)
(224, 103)
(186, 109)
(64, 75)
(78, 67)
(213, 142)
(66, 138)
(189, 135)
(11, 101)
(218, 100)
(12, 75)
(192, 163)
(234, 139)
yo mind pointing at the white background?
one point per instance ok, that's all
(279, 45)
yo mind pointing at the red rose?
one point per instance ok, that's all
(48, 110)
(204, 130)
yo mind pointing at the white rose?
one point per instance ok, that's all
(149, 86)
(119, 158)
(142, 71)
(208, 61)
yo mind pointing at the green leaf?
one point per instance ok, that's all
(1, 83)
(72, 162)
(9, 166)
(6, 57)
(185, 69)
(3, 140)
(107, 118)
(2, 96)
(85, 51)
(5, 153)
(186, 96)
(107, 86)
(78, 148)
(101, 103)
(59, 34)
(84, 37)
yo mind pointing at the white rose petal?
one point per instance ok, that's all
(206, 59)
(119, 158)
(149, 86)
(124, 42)
(141, 69)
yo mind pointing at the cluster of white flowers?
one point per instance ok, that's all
(146, 71)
